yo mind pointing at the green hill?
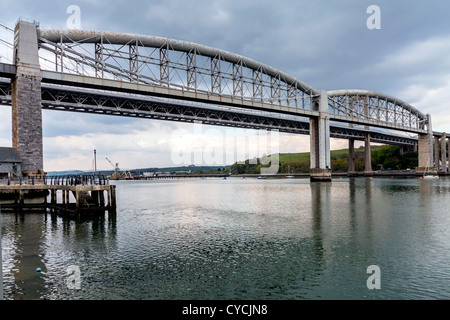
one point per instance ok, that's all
(382, 157)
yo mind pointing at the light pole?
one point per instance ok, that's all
(95, 161)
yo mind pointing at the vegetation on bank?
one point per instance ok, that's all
(383, 158)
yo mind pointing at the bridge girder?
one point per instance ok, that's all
(163, 62)
(201, 73)
(375, 108)
(62, 98)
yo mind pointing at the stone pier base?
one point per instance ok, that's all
(320, 175)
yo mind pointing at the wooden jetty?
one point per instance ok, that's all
(66, 196)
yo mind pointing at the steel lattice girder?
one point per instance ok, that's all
(183, 65)
(375, 108)
(187, 66)
(101, 102)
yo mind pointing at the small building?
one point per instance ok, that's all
(10, 163)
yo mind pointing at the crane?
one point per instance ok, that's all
(116, 173)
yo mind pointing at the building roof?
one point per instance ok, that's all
(9, 155)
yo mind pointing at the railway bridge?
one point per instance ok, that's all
(158, 78)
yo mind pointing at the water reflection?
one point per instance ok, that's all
(241, 239)
(28, 231)
(32, 241)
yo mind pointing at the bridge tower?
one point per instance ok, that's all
(426, 159)
(440, 153)
(320, 140)
(26, 99)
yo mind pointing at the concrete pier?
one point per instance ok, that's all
(320, 161)
(367, 157)
(443, 149)
(26, 100)
(351, 157)
(425, 148)
(436, 153)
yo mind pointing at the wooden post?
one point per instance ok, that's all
(16, 200)
(95, 195)
(102, 199)
(67, 198)
(108, 195)
(113, 196)
(53, 196)
(112, 206)
(77, 199)
(21, 199)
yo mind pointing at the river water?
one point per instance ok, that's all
(240, 239)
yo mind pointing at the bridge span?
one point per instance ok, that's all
(159, 78)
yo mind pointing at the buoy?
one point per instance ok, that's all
(38, 270)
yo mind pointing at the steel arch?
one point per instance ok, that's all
(173, 63)
(374, 108)
(186, 70)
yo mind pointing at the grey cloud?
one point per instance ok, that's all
(323, 43)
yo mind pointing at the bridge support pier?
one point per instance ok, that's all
(426, 159)
(443, 148)
(448, 153)
(320, 140)
(351, 157)
(26, 100)
(367, 157)
(436, 153)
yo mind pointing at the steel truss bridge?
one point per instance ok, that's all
(103, 102)
(158, 78)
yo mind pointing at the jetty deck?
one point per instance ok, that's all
(65, 196)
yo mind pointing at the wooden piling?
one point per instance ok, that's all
(67, 199)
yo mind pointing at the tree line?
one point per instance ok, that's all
(383, 158)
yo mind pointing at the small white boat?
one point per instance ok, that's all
(430, 176)
(290, 177)
(261, 178)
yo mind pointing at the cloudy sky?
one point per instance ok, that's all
(325, 44)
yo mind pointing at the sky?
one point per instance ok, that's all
(326, 44)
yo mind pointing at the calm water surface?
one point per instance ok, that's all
(241, 239)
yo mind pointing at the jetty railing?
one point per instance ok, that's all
(62, 180)
(77, 180)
